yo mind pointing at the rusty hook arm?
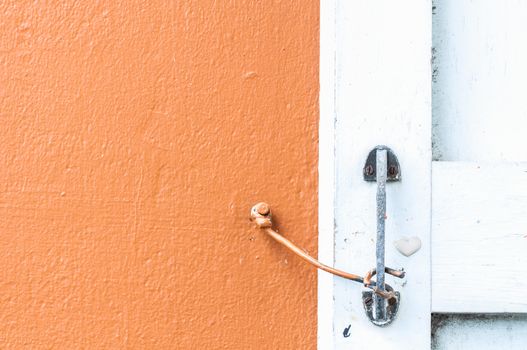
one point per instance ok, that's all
(261, 216)
(390, 295)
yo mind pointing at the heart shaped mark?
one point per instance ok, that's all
(408, 246)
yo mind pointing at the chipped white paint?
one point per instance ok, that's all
(408, 245)
(479, 230)
(479, 237)
(480, 332)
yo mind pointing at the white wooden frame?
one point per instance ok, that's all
(379, 115)
(376, 89)
(479, 186)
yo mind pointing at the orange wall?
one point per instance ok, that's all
(135, 136)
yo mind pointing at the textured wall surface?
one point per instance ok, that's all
(134, 138)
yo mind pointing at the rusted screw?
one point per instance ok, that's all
(368, 170)
(392, 171)
(263, 208)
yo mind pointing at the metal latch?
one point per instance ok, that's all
(381, 304)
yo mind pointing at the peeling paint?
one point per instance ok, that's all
(479, 331)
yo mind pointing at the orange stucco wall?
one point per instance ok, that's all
(135, 136)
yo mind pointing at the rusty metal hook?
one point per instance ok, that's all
(262, 217)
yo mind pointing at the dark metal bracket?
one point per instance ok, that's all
(369, 301)
(393, 168)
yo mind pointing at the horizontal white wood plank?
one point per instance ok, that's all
(479, 237)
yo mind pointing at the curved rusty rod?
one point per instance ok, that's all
(261, 215)
(386, 294)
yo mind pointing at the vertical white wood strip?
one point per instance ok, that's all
(383, 96)
(326, 173)
(479, 108)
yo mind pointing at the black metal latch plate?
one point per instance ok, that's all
(393, 168)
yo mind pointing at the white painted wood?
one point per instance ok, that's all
(480, 72)
(481, 332)
(326, 173)
(479, 237)
(383, 80)
(376, 89)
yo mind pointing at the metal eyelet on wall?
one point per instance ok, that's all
(381, 302)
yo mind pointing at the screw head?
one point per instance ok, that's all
(368, 170)
(392, 170)
(263, 208)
